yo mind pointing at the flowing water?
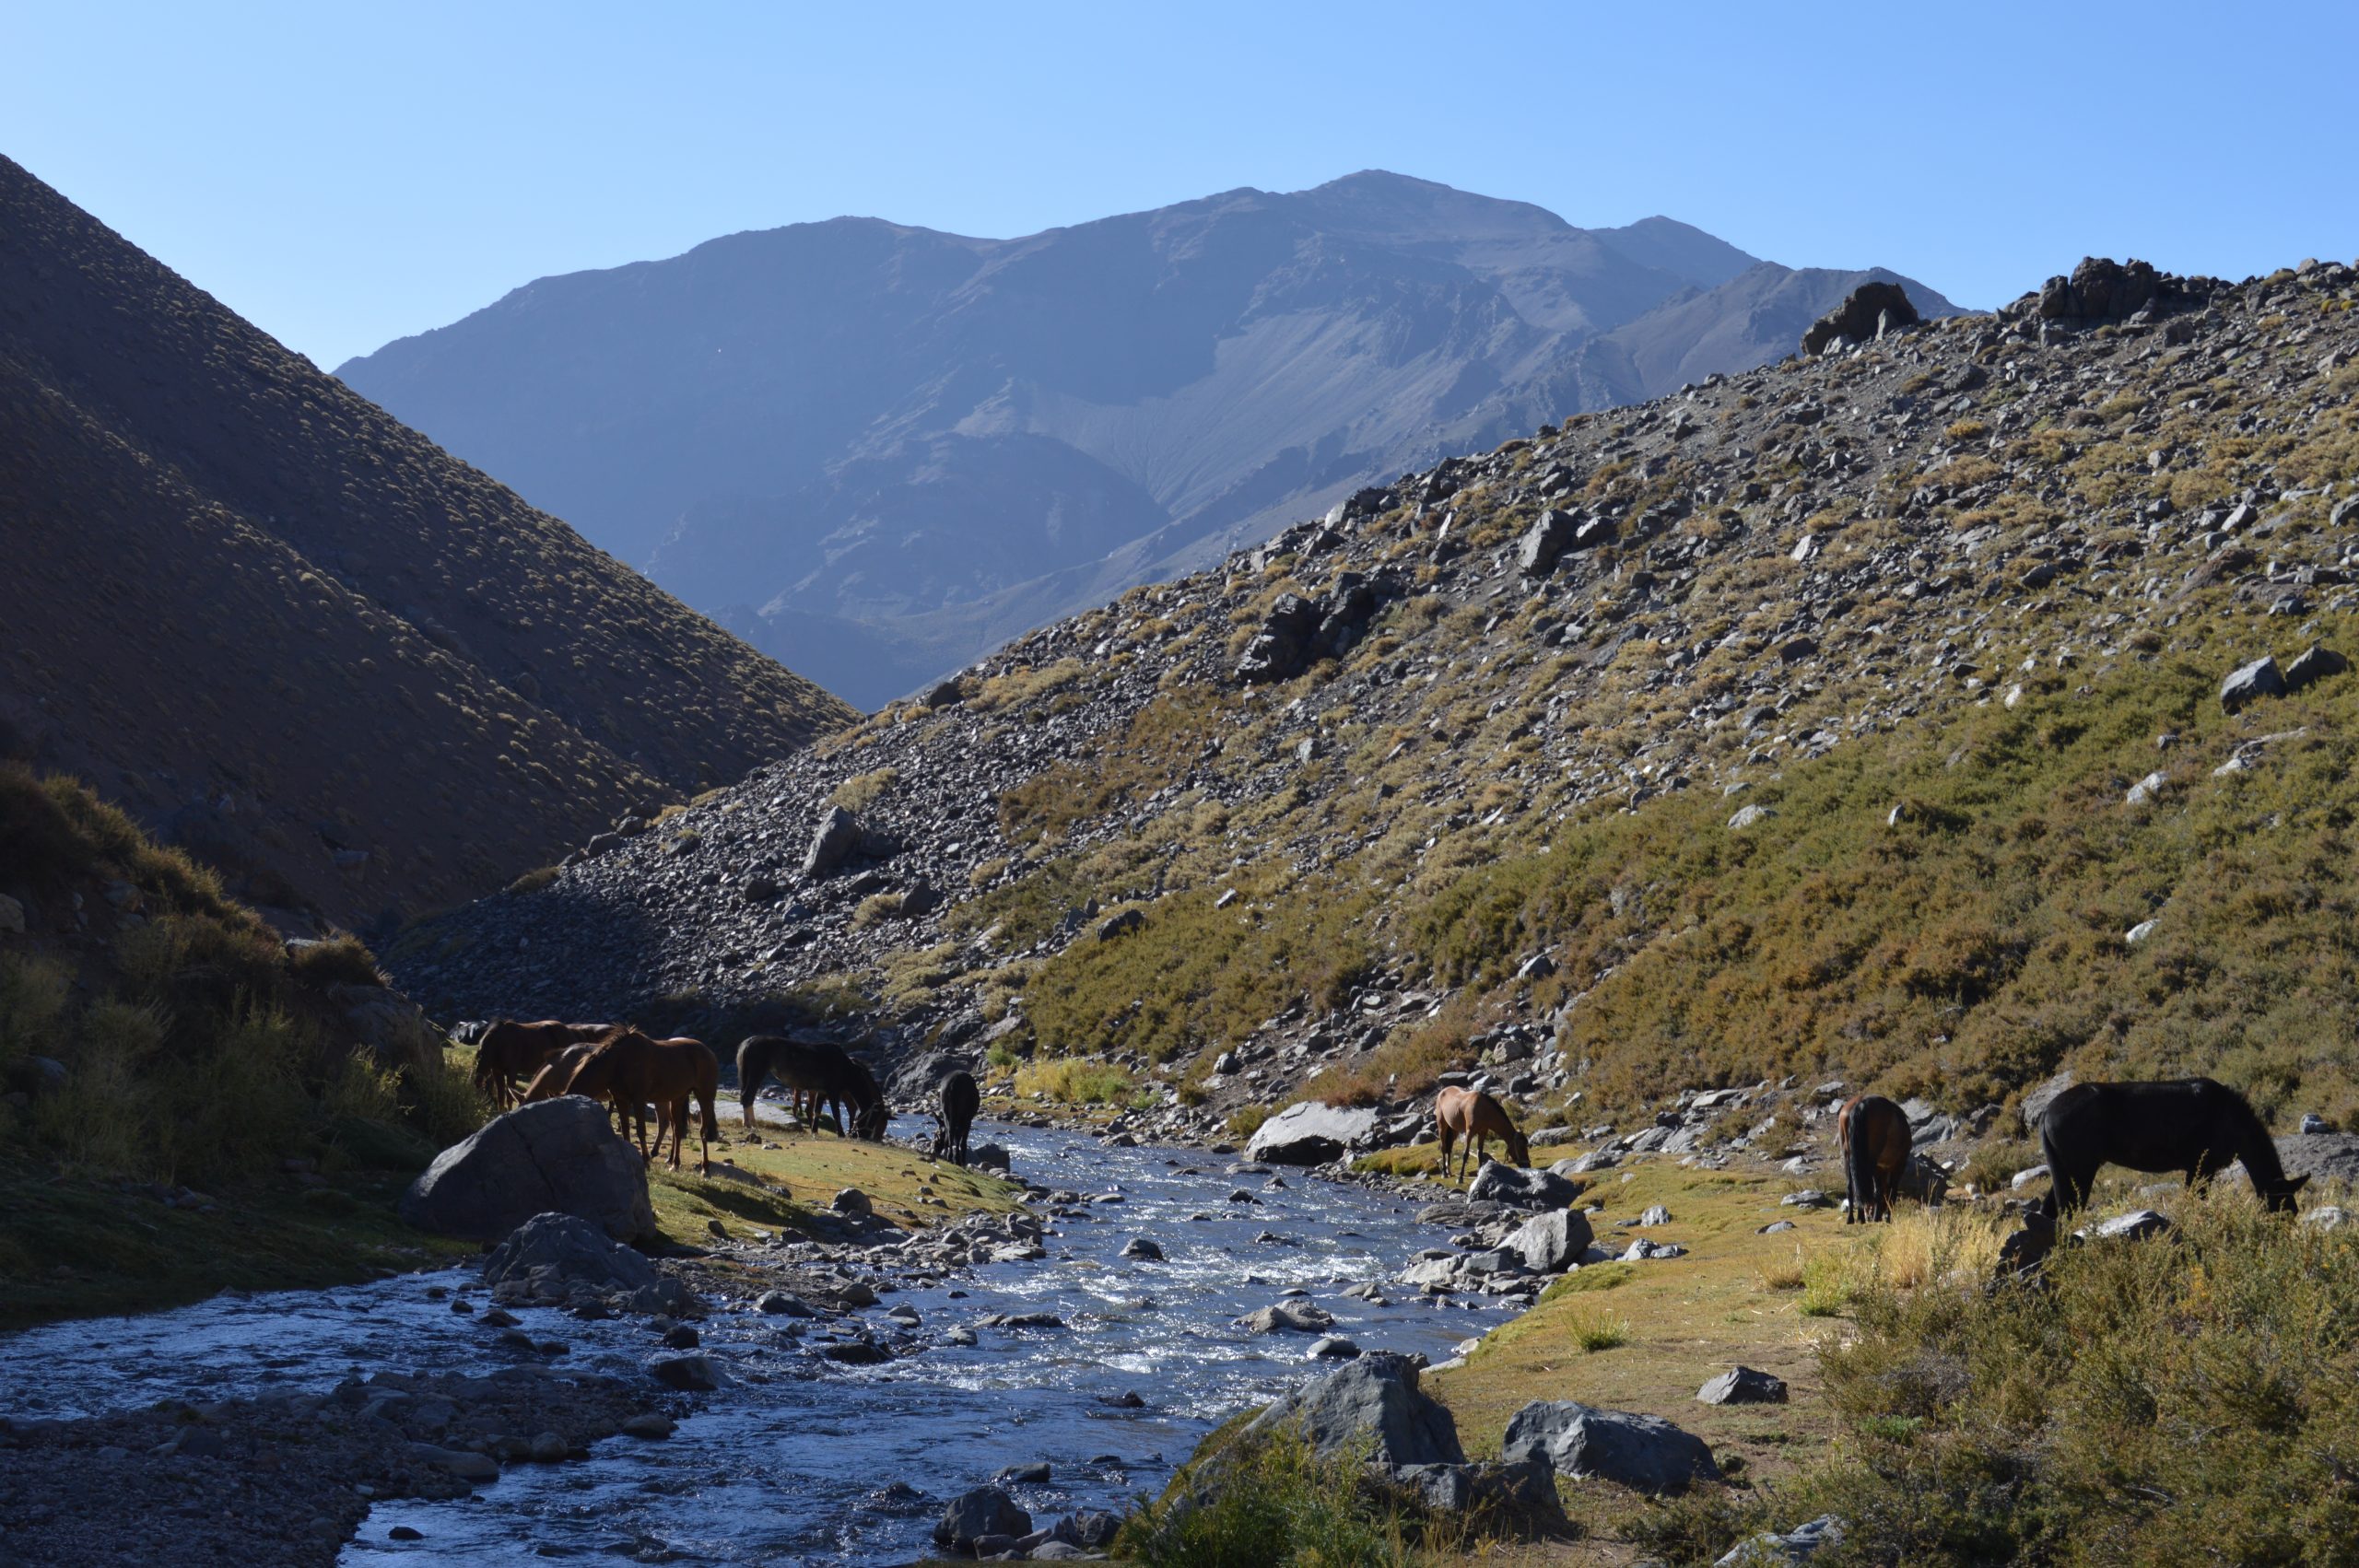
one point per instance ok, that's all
(799, 1460)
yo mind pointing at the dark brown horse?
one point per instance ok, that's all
(2193, 1126)
(1876, 1144)
(634, 1071)
(960, 1100)
(1475, 1117)
(817, 1074)
(510, 1052)
(552, 1080)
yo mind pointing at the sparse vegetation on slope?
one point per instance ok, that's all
(1815, 754)
(156, 1035)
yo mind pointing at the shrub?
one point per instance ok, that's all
(864, 790)
(1827, 1284)
(1598, 1330)
(2153, 1402)
(1074, 1080)
(1268, 1503)
(1246, 1120)
(32, 1007)
(340, 960)
(534, 880)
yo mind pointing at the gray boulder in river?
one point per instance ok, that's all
(551, 1257)
(1553, 1242)
(1311, 1133)
(557, 1156)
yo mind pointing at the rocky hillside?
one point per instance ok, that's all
(879, 450)
(296, 636)
(1905, 713)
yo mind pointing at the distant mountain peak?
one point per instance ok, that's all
(917, 445)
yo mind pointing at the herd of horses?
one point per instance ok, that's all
(2191, 1127)
(519, 1063)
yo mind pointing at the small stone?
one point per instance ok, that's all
(650, 1425)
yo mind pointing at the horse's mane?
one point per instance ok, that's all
(2255, 1148)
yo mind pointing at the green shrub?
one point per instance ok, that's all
(1246, 1120)
(32, 1007)
(1074, 1080)
(2179, 1400)
(1268, 1503)
(341, 960)
(1598, 1330)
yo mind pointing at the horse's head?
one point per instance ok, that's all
(2279, 1195)
(871, 1121)
(1518, 1147)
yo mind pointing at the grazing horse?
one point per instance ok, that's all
(816, 1075)
(960, 1101)
(634, 1070)
(2190, 1125)
(510, 1052)
(552, 1080)
(1876, 1145)
(1464, 1113)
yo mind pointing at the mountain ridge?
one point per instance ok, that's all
(1894, 715)
(859, 431)
(356, 675)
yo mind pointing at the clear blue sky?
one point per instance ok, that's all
(343, 173)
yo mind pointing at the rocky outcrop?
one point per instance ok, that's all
(558, 1156)
(563, 1260)
(1500, 1183)
(1553, 1242)
(1870, 312)
(1644, 1453)
(1372, 1408)
(1311, 1133)
(979, 1517)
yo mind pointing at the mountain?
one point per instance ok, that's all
(296, 636)
(878, 451)
(1898, 715)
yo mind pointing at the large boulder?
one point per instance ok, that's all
(1280, 650)
(836, 839)
(1553, 1242)
(556, 1259)
(1371, 1408)
(917, 1082)
(392, 1027)
(1642, 1452)
(1519, 1500)
(2100, 289)
(1311, 1133)
(973, 1515)
(1545, 540)
(557, 1156)
(1869, 311)
(2249, 683)
(1521, 1189)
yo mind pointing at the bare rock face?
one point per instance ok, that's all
(1871, 310)
(560, 1156)
(1309, 1133)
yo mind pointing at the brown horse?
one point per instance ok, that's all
(634, 1070)
(1876, 1145)
(816, 1075)
(1464, 1113)
(511, 1052)
(2193, 1126)
(553, 1078)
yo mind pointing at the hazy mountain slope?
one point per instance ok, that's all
(1863, 735)
(250, 606)
(952, 440)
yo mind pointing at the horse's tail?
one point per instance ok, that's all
(1858, 1164)
(753, 1066)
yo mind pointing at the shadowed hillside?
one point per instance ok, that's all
(879, 452)
(296, 637)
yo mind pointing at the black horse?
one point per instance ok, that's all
(2189, 1125)
(820, 1077)
(960, 1101)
